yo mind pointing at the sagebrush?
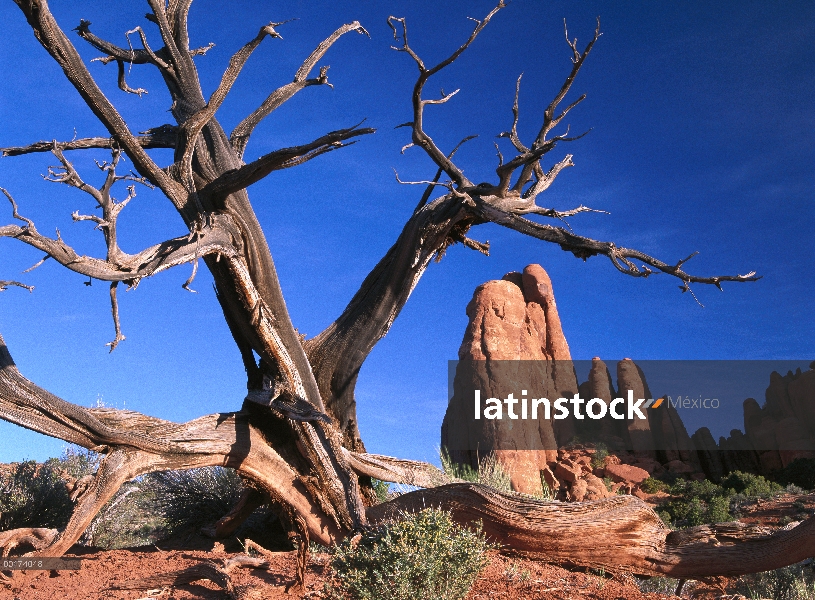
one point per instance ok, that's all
(489, 472)
(700, 502)
(424, 556)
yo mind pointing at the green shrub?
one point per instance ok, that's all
(34, 495)
(700, 502)
(659, 585)
(546, 491)
(697, 503)
(426, 556)
(800, 472)
(489, 472)
(125, 521)
(598, 459)
(160, 505)
(77, 462)
(192, 498)
(704, 490)
(750, 485)
(652, 486)
(456, 470)
(795, 582)
(718, 510)
(381, 490)
(143, 511)
(665, 516)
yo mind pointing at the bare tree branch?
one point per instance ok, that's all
(130, 55)
(158, 137)
(240, 135)
(114, 307)
(396, 470)
(153, 57)
(175, 53)
(67, 174)
(190, 129)
(419, 136)
(5, 284)
(37, 264)
(529, 158)
(549, 120)
(238, 179)
(112, 52)
(583, 247)
(122, 81)
(512, 134)
(52, 38)
(177, 11)
(130, 268)
(429, 190)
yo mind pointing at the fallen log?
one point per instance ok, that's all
(621, 533)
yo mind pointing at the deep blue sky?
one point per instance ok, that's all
(702, 139)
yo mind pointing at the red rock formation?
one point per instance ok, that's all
(514, 319)
(626, 474)
(784, 429)
(639, 432)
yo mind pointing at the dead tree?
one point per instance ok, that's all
(296, 436)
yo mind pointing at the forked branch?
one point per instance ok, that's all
(419, 136)
(54, 40)
(67, 174)
(238, 179)
(189, 130)
(549, 120)
(158, 137)
(114, 52)
(130, 268)
(583, 247)
(240, 135)
(529, 158)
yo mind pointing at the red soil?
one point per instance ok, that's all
(508, 578)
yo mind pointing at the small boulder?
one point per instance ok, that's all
(550, 480)
(626, 473)
(567, 471)
(650, 465)
(578, 491)
(596, 488)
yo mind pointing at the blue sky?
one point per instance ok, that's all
(702, 139)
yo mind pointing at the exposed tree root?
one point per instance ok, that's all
(36, 537)
(625, 533)
(218, 574)
(249, 500)
(620, 533)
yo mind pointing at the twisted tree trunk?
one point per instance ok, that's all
(297, 436)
